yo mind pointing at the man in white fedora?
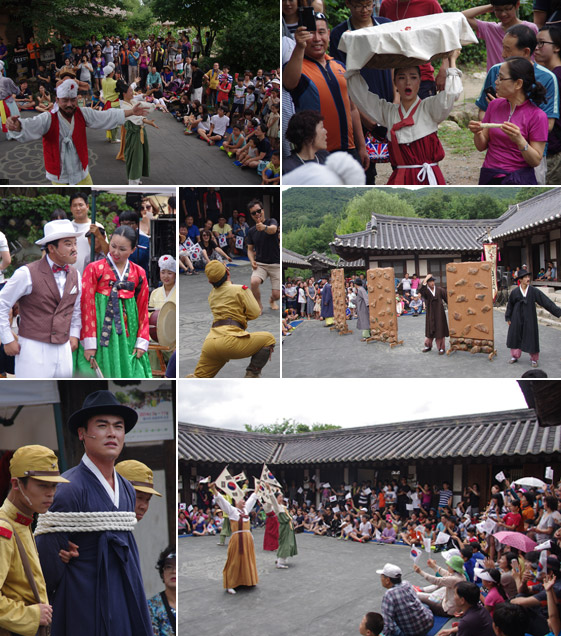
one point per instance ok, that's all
(65, 145)
(48, 292)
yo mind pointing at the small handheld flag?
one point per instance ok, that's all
(415, 554)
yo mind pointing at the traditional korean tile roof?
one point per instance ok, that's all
(407, 234)
(539, 210)
(509, 433)
(293, 259)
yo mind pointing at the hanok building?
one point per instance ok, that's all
(460, 450)
(320, 264)
(527, 233)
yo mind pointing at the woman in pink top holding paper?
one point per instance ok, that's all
(514, 130)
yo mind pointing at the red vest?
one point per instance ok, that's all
(51, 143)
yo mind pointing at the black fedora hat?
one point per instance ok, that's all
(102, 403)
(522, 273)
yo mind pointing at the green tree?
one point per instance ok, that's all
(360, 209)
(529, 193)
(289, 427)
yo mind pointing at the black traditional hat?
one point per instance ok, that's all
(522, 273)
(102, 403)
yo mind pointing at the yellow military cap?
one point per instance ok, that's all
(140, 476)
(214, 271)
(38, 462)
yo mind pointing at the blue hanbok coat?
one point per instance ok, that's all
(326, 301)
(100, 592)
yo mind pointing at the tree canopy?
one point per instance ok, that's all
(289, 427)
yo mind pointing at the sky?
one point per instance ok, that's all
(348, 403)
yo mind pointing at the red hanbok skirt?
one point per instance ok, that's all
(271, 538)
(425, 150)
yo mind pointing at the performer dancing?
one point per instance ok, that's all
(240, 568)
(8, 105)
(271, 536)
(523, 334)
(287, 537)
(415, 149)
(115, 326)
(232, 307)
(65, 146)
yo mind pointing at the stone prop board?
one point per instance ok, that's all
(470, 308)
(339, 301)
(380, 283)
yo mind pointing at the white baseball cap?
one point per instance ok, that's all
(390, 570)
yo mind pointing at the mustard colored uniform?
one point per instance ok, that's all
(230, 342)
(19, 611)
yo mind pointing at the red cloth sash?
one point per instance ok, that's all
(396, 152)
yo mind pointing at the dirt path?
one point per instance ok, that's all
(458, 168)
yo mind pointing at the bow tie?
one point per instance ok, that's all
(58, 268)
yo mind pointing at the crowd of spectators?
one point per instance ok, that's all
(483, 581)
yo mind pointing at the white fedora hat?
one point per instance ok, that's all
(55, 230)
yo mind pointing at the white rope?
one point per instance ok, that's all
(85, 522)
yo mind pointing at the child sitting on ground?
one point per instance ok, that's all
(234, 141)
(271, 173)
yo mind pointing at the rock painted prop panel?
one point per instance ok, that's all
(381, 304)
(339, 301)
(470, 308)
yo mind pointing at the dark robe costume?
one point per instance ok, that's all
(436, 325)
(362, 312)
(326, 301)
(100, 592)
(521, 312)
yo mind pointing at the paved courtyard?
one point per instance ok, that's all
(315, 351)
(195, 319)
(327, 589)
(175, 159)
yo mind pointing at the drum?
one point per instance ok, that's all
(163, 325)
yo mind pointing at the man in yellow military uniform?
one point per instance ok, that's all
(34, 475)
(232, 307)
(142, 479)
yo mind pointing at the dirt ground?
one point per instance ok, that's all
(458, 168)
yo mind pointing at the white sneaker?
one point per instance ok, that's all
(280, 566)
(231, 590)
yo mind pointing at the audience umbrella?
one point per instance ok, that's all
(531, 482)
(515, 540)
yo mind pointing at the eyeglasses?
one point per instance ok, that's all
(540, 43)
(358, 6)
(503, 79)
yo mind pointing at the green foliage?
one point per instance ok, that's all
(289, 427)
(251, 39)
(305, 240)
(24, 217)
(528, 193)
(336, 11)
(460, 142)
(308, 206)
(360, 209)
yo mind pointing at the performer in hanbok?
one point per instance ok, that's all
(166, 292)
(48, 291)
(91, 564)
(415, 149)
(327, 304)
(134, 138)
(271, 536)
(115, 327)
(436, 325)
(287, 537)
(523, 334)
(110, 97)
(362, 311)
(240, 568)
(34, 476)
(65, 146)
(8, 105)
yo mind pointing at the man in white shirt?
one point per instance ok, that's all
(80, 210)
(48, 291)
(5, 258)
(218, 125)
